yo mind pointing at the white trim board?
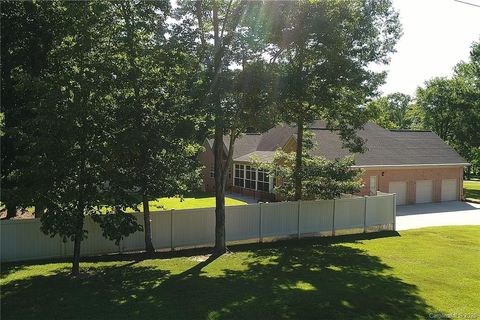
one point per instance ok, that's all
(412, 166)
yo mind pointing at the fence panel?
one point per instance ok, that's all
(194, 227)
(380, 210)
(95, 243)
(23, 240)
(316, 216)
(349, 213)
(136, 241)
(279, 219)
(161, 222)
(242, 222)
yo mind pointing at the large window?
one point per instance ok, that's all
(250, 177)
(239, 179)
(263, 181)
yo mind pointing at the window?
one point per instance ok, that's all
(263, 181)
(239, 179)
(250, 177)
(212, 171)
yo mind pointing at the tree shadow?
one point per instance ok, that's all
(311, 278)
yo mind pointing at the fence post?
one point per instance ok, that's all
(365, 215)
(172, 247)
(260, 224)
(333, 219)
(394, 211)
(298, 219)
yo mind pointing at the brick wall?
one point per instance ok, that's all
(207, 160)
(384, 177)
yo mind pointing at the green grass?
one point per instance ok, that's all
(471, 189)
(192, 202)
(410, 275)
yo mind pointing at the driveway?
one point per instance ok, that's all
(452, 213)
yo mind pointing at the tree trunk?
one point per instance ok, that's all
(147, 226)
(298, 159)
(76, 245)
(220, 245)
(11, 211)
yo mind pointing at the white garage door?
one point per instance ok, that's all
(449, 189)
(424, 191)
(400, 188)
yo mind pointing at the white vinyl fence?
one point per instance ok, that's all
(23, 240)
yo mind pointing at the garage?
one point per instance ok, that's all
(449, 190)
(424, 191)
(400, 189)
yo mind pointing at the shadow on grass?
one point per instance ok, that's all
(471, 193)
(311, 278)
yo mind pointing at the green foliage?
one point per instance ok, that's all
(323, 50)
(68, 137)
(394, 111)
(27, 30)
(154, 143)
(102, 116)
(117, 225)
(452, 106)
(322, 178)
(62, 220)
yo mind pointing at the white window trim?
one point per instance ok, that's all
(255, 170)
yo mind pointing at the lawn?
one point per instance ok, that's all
(416, 274)
(197, 200)
(190, 202)
(471, 189)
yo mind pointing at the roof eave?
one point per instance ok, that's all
(418, 165)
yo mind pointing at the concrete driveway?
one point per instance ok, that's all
(452, 213)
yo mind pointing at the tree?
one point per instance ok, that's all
(233, 90)
(451, 106)
(394, 111)
(27, 31)
(322, 178)
(323, 50)
(69, 134)
(154, 142)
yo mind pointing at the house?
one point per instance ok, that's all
(416, 165)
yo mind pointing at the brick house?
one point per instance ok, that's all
(416, 165)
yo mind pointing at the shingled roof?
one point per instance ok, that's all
(384, 147)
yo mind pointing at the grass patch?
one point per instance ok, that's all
(377, 276)
(471, 189)
(193, 201)
(190, 202)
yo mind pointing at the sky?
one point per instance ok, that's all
(437, 34)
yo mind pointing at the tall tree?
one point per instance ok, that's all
(234, 81)
(27, 32)
(68, 136)
(154, 142)
(324, 50)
